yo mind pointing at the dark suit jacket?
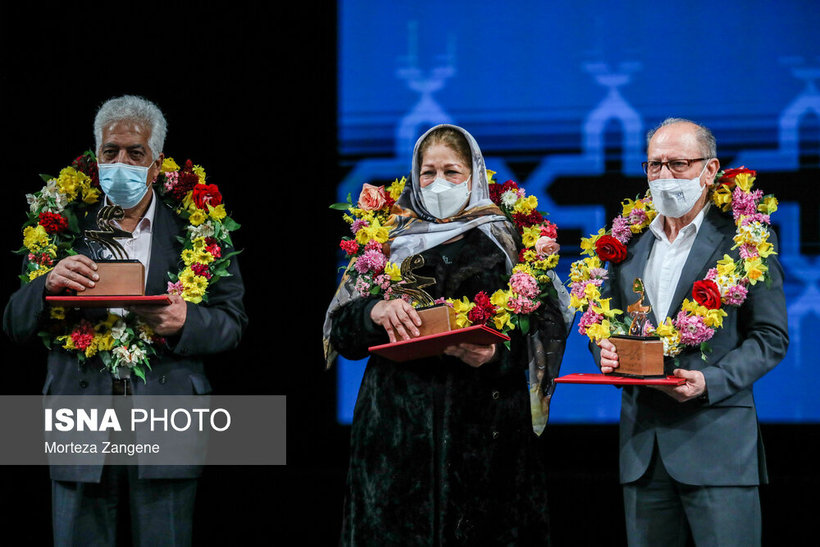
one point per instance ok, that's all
(714, 441)
(209, 328)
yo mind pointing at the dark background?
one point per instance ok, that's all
(250, 93)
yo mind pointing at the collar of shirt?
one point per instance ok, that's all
(146, 222)
(656, 226)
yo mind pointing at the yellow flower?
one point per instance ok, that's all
(57, 312)
(577, 302)
(768, 205)
(588, 243)
(203, 257)
(104, 341)
(35, 238)
(765, 249)
(198, 217)
(591, 292)
(397, 187)
(90, 195)
(188, 256)
(374, 231)
(34, 274)
(604, 309)
(599, 331)
(722, 197)
(530, 235)
(200, 172)
(755, 269)
(168, 165)
(218, 212)
(393, 270)
(503, 319)
(526, 205)
(726, 266)
(501, 298)
(71, 181)
(490, 177)
(462, 308)
(744, 181)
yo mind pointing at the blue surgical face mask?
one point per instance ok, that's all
(124, 184)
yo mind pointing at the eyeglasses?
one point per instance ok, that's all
(676, 166)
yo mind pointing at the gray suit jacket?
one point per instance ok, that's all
(712, 441)
(209, 328)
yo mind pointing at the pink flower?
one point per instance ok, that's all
(546, 245)
(588, 319)
(693, 330)
(711, 275)
(523, 305)
(736, 295)
(372, 197)
(371, 261)
(524, 284)
(358, 224)
(175, 288)
(620, 230)
(745, 203)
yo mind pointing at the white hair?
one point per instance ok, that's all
(137, 109)
(703, 135)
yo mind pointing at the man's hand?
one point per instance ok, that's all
(399, 319)
(694, 387)
(165, 320)
(609, 356)
(75, 272)
(472, 354)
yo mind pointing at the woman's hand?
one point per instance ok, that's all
(609, 356)
(399, 319)
(472, 354)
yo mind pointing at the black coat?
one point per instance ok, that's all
(443, 453)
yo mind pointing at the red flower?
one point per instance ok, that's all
(549, 229)
(88, 166)
(186, 182)
(83, 335)
(530, 219)
(349, 246)
(497, 189)
(483, 311)
(215, 250)
(730, 174)
(53, 223)
(201, 269)
(610, 249)
(206, 194)
(706, 293)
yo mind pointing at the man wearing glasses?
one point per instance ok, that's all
(691, 457)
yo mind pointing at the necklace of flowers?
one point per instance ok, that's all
(527, 287)
(724, 285)
(53, 226)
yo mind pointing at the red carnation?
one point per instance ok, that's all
(215, 250)
(349, 246)
(530, 219)
(201, 269)
(186, 182)
(483, 311)
(610, 249)
(53, 223)
(83, 335)
(206, 194)
(706, 293)
(549, 229)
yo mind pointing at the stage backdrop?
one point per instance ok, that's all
(560, 95)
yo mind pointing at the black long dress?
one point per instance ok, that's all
(443, 453)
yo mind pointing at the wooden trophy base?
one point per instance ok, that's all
(639, 356)
(436, 320)
(118, 278)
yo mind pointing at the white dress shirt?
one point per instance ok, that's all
(663, 269)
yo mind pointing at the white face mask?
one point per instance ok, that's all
(443, 198)
(673, 198)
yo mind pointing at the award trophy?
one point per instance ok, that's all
(638, 356)
(438, 329)
(435, 318)
(118, 276)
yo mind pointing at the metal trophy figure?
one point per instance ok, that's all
(435, 318)
(638, 355)
(119, 276)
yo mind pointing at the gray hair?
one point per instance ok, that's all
(132, 108)
(703, 135)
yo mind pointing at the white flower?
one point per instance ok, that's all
(118, 332)
(509, 198)
(206, 229)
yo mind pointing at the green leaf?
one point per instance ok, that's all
(139, 373)
(524, 323)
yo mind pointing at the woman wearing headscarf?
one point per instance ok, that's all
(443, 450)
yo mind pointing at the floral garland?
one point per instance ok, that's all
(528, 284)
(53, 226)
(724, 285)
